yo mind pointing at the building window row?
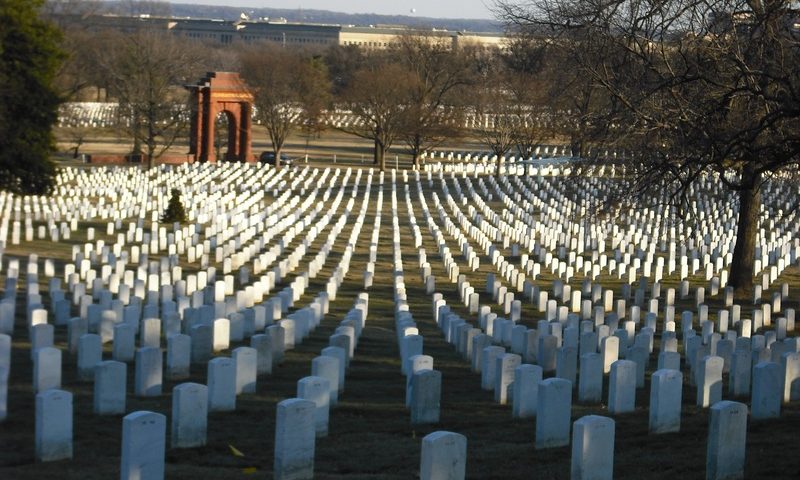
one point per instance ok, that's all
(370, 44)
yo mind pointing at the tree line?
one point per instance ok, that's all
(412, 96)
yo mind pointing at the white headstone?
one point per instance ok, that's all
(202, 343)
(294, 440)
(90, 353)
(222, 334)
(341, 355)
(263, 346)
(669, 361)
(505, 365)
(488, 369)
(767, 391)
(110, 386)
(590, 380)
(727, 435)
(221, 385)
(666, 391)
(622, 387)
(53, 425)
(189, 415)
(444, 456)
(709, 381)
(609, 349)
(344, 342)
(426, 391)
(143, 446)
(245, 361)
(151, 333)
(46, 369)
(41, 336)
(790, 361)
(317, 389)
(740, 376)
(553, 409)
(567, 364)
(124, 347)
(328, 368)
(547, 351)
(416, 364)
(179, 356)
(277, 334)
(149, 372)
(593, 448)
(526, 390)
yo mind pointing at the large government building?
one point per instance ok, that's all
(282, 32)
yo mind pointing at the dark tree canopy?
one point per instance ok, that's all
(29, 61)
(693, 90)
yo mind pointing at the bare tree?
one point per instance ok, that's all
(145, 72)
(314, 96)
(496, 114)
(437, 74)
(291, 88)
(529, 111)
(77, 136)
(342, 62)
(80, 45)
(378, 97)
(550, 76)
(696, 89)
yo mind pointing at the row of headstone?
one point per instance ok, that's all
(300, 420)
(423, 382)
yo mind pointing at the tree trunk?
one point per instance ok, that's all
(381, 153)
(376, 152)
(576, 145)
(151, 142)
(741, 277)
(498, 163)
(416, 148)
(277, 151)
(137, 134)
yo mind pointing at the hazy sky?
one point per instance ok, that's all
(422, 8)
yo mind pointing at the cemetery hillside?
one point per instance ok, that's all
(567, 251)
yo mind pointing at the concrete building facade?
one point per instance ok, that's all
(227, 32)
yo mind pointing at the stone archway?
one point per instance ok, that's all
(221, 92)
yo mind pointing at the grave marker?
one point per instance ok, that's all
(143, 446)
(53, 425)
(593, 448)
(444, 456)
(294, 440)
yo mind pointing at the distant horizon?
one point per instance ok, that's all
(450, 9)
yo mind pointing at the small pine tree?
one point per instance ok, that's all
(175, 211)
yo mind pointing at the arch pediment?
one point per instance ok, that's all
(215, 93)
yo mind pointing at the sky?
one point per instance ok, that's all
(421, 8)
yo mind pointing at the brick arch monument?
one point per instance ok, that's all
(221, 92)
